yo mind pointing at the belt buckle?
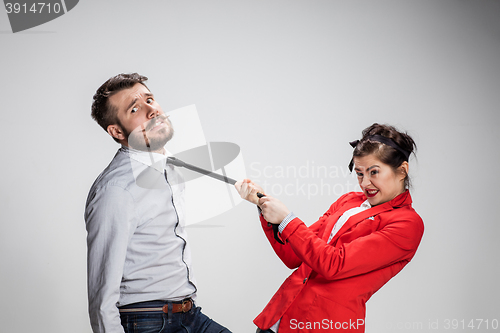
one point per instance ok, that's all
(185, 303)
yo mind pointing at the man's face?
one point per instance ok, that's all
(142, 125)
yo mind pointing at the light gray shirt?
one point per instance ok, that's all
(137, 249)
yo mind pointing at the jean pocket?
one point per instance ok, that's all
(146, 323)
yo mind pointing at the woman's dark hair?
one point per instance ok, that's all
(385, 153)
(102, 112)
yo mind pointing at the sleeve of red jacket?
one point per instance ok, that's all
(286, 252)
(395, 242)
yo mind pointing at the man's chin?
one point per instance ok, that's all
(155, 143)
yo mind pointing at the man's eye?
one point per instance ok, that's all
(149, 100)
(134, 109)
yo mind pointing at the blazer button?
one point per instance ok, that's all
(304, 280)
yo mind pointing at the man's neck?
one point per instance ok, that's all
(158, 151)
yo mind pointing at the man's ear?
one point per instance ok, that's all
(116, 132)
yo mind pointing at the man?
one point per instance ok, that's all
(139, 263)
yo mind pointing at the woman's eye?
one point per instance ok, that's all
(359, 174)
(374, 172)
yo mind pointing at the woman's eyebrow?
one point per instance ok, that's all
(373, 166)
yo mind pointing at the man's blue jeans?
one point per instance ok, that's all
(192, 321)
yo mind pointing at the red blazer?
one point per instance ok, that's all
(332, 282)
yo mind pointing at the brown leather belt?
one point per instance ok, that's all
(177, 307)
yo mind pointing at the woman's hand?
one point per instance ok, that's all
(248, 190)
(273, 210)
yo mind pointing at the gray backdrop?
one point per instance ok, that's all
(291, 82)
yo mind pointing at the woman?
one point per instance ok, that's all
(359, 244)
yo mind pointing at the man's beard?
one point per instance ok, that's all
(143, 139)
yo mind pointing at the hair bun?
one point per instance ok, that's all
(402, 139)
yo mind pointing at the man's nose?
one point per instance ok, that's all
(152, 111)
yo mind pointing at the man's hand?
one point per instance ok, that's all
(248, 190)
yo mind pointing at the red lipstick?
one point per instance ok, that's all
(371, 193)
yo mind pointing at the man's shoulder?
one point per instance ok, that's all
(118, 174)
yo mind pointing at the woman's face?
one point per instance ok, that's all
(377, 180)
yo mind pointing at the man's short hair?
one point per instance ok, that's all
(104, 113)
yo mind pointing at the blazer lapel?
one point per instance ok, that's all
(355, 219)
(330, 223)
(401, 200)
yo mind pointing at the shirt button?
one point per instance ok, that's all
(304, 280)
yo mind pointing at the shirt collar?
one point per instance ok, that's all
(155, 160)
(366, 204)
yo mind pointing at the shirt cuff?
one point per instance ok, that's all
(285, 221)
